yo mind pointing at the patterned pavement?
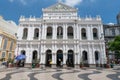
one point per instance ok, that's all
(59, 74)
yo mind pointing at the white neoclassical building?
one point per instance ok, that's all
(61, 36)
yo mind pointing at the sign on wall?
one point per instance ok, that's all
(0, 41)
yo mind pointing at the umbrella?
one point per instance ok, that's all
(20, 57)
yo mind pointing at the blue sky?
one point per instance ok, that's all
(13, 9)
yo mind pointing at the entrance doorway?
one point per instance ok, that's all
(70, 59)
(21, 63)
(34, 56)
(59, 58)
(97, 58)
(48, 58)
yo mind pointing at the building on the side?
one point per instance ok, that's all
(7, 39)
(111, 30)
(61, 36)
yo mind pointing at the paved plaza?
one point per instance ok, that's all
(59, 74)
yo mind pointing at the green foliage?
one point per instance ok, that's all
(115, 45)
(10, 60)
(2, 59)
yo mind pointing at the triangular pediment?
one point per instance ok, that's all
(60, 7)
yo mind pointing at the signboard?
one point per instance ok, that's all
(0, 41)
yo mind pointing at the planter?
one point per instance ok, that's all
(81, 65)
(37, 65)
(10, 65)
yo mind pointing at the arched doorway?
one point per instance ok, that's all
(23, 52)
(70, 59)
(85, 58)
(48, 58)
(21, 63)
(59, 58)
(34, 56)
(97, 58)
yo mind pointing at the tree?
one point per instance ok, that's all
(115, 46)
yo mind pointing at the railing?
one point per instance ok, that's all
(24, 37)
(84, 38)
(49, 37)
(35, 38)
(59, 36)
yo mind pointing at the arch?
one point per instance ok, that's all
(23, 52)
(48, 58)
(83, 33)
(21, 63)
(85, 58)
(49, 32)
(59, 32)
(34, 56)
(59, 58)
(96, 53)
(70, 58)
(25, 33)
(70, 32)
(36, 33)
(95, 33)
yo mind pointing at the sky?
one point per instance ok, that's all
(13, 9)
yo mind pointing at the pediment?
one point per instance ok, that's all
(60, 7)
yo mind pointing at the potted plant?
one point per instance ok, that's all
(81, 63)
(10, 62)
(37, 63)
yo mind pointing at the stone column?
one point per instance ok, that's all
(54, 60)
(64, 59)
(42, 61)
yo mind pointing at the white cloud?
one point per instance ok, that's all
(24, 2)
(11, 0)
(72, 2)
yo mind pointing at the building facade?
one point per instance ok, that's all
(7, 39)
(61, 36)
(110, 32)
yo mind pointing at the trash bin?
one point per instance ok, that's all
(111, 65)
(33, 65)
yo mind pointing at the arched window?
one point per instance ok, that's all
(95, 35)
(25, 33)
(83, 33)
(59, 32)
(49, 32)
(70, 32)
(5, 44)
(36, 33)
(85, 56)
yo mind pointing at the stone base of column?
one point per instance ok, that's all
(77, 66)
(28, 65)
(53, 66)
(92, 65)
